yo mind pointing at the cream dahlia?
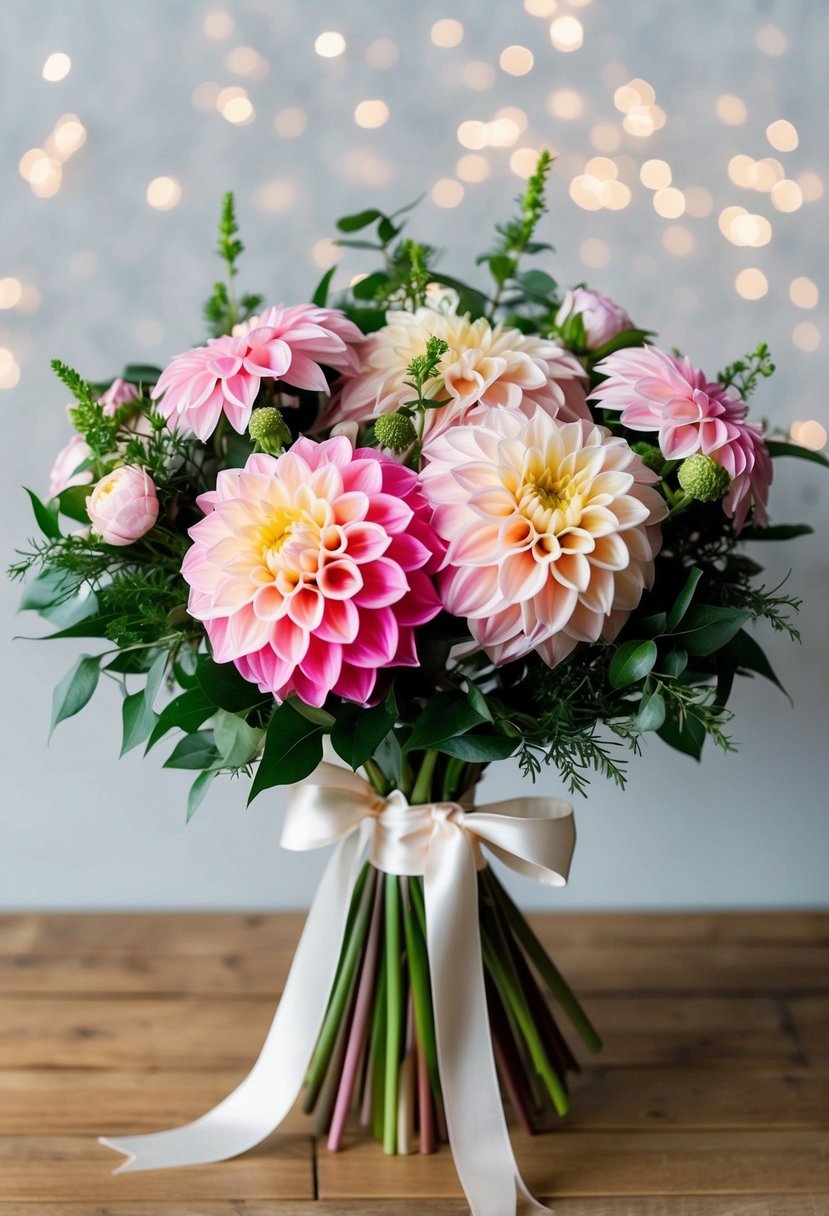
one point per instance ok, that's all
(659, 392)
(224, 377)
(484, 365)
(552, 531)
(311, 569)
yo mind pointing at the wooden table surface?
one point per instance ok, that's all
(711, 1097)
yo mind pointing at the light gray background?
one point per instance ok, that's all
(120, 281)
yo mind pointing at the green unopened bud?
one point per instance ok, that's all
(395, 431)
(269, 430)
(651, 456)
(702, 478)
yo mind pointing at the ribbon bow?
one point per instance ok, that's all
(442, 842)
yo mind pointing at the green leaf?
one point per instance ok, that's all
(314, 713)
(445, 716)
(72, 503)
(777, 532)
(501, 267)
(320, 296)
(651, 713)
(236, 742)
(344, 244)
(141, 373)
(154, 678)
(194, 751)
(198, 790)
(368, 288)
(708, 627)
(477, 749)
(683, 600)
(471, 300)
(358, 732)
(46, 589)
(743, 653)
(675, 662)
(389, 755)
(225, 687)
(386, 230)
(632, 662)
(185, 665)
(187, 712)
(293, 749)
(628, 337)
(75, 689)
(88, 627)
(688, 738)
(538, 284)
(47, 519)
(777, 447)
(478, 701)
(361, 219)
(138, 720)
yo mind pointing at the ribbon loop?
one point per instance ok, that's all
(442, 842)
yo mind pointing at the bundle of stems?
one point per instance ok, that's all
(376, 1055)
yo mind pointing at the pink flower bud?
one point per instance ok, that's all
(65, 469)
(123, 506)
(602, 318)
(119, 393)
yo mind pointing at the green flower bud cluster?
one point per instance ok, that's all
(651, 456)
(702, 478)
(395, 431)
(269, 430)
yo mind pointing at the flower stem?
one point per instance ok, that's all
(394, 1010)
(422, 790)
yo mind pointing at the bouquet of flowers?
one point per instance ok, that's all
(365, 548)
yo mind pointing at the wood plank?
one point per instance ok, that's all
(215, 1033)
(201, 932)
(810, 1022)
(575, 1163)
(645, 1205)
(58, 1101)
(589, 969)
(35, 1169)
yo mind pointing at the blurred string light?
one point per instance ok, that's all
(566, 33)
(329, 44)
(205, 95)
(811, 186)
(9, 371)
(371, 114)
(516, 60)
(811, 434)
(699, 202)
(41, 167)
(56, 67)
(598, 186)
(669, 202)
(235, 106)
(218, 24)
(731, 110)
(565, 104)
(787, 196)
(740, 227)
(382, 54)
(678, 240)
(806, 336)
(478, 75)
(605, 137)
(637, 101)
(655, 174)
(326, 253)
(594, 252)
(762, 175)
(502, 132)
(751, 283)
(770, 40)
(11, 291)
(523, 161)
(245, 61)
(540, 8)
(447, 192)
(782, 135)
(803, 293)
(291, 122)
(164, 193)
(275, 197)
(365, 166)
(447, 33)
(473, 168)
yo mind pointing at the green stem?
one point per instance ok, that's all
(452, 784)
(376, 777)
(394, 1011)
(419, 982)
(378, 1053)
(422, 790)
(545, 967)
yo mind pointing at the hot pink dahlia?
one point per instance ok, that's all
(310, 570)
(552, 531)
(659, 392)
(224, 377)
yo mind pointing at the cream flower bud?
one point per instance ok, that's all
(123, 506)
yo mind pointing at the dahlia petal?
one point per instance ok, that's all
(383, 583)
(366, 542)
(355, 683)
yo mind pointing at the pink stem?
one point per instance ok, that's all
(440, 1119)
(424, 1095)
(359, 1027)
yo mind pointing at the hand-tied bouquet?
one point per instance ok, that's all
(435, 528)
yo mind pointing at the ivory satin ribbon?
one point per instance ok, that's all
(441, 842)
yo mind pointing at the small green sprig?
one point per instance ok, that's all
(423, 368)
(87, 416)
(745, 374)
(222, 310)
(515, 238)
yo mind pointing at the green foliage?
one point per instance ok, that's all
(744, 375)
(87, 416)
(222, 310)
(75, 689)
(293, 749)
(357, 732)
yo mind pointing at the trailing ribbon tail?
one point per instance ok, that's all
(256, 1107)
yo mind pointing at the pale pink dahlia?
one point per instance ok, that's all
(659, 392)
(552, 531)
(484, 365)
(287, 344)
(310, 570)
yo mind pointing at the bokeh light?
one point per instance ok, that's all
(56, 67)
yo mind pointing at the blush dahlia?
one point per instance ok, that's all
(310, 570)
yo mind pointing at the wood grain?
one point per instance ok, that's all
(711, 1097)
